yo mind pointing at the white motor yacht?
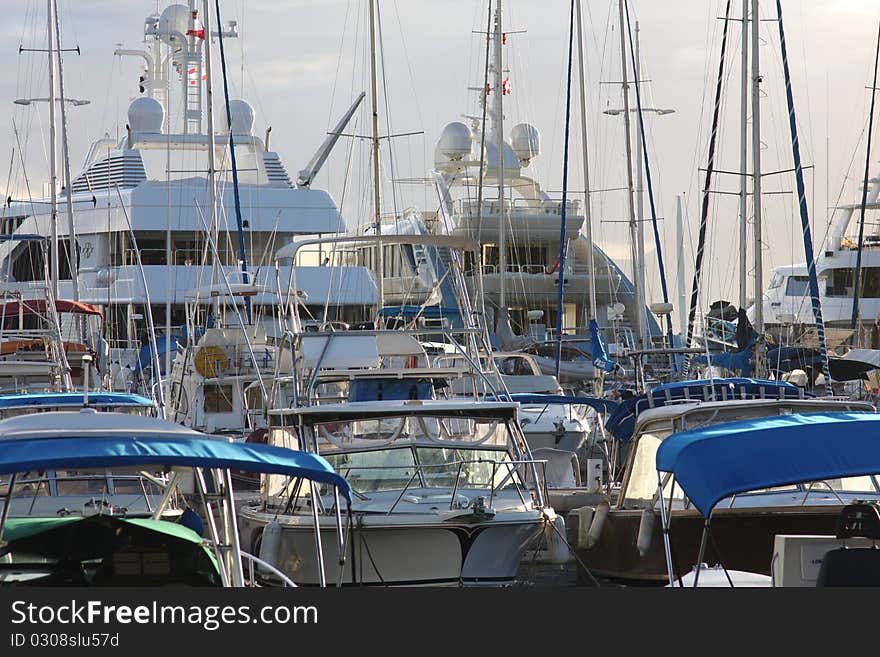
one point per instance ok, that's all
(440, 494)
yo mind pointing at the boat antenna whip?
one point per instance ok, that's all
(802, 202)
(704, 212)
(562, 244)
(858, 274)
(242, 252)
(644, 147)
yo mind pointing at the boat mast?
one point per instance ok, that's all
(588, 215)
(743, 158)
(639, 291)
(380, 255)
(498, 135)
(756, 190)
(53, 182)
(216, 270)
(562, 242)
(865, 184)
(640, 194)
(73, 257)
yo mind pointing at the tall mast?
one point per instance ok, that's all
(640, 197)
(743, 159)
(639, 291)
(65, 160)
(588, 215)
(380, 255)
(756, 190)
(53, 182)
(498, 134)
(217, 269)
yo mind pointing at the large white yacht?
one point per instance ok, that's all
(141, 206)
(514, 199)
(787, 299)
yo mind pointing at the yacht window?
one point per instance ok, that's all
(797, 286)
(776, 281)
(218, 398)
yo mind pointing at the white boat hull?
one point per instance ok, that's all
(400, 550)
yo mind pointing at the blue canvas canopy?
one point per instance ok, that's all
(106, 440)
(622, 421)
(717, 461)
(50, 399)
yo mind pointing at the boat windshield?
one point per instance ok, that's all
(396, 430)
(641, 488)
(374, 471)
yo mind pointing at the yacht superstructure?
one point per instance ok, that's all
(141, 205)
(787, 300)
(515, 211)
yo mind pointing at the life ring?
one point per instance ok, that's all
(210, 361)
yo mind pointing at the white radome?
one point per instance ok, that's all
(174, 18)
(525, 141)
(455, 141)
(242, 117)
(146, 115)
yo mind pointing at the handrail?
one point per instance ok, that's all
(251, 560)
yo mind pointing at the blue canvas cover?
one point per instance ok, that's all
(32, 454)
(717, 461)
(52, 399)
(622, 421)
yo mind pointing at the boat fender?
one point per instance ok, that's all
(584, 520)
(646, 531)
(599, 517)
(557, 547)
(270, 543)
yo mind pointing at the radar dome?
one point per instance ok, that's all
(242, 117)
(174, 18)
(146, 115)
(455, 141)
(525, 141)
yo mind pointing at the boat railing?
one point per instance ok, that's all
(252, 561)
(510, 268)
(553, 207)
(419, 471)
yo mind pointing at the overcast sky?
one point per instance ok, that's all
(301, 62)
